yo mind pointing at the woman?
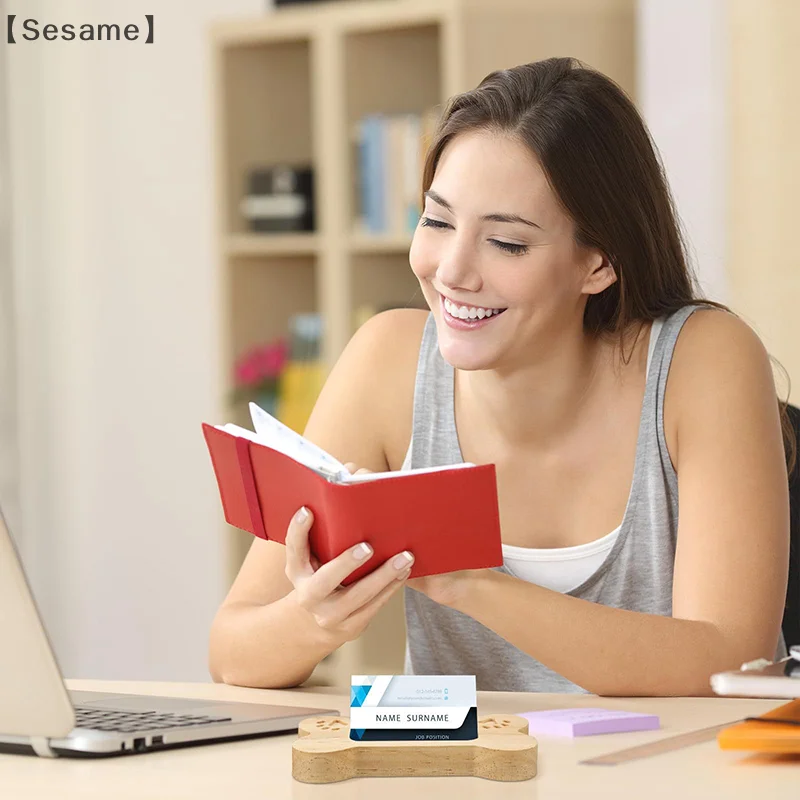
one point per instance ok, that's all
(564, 344)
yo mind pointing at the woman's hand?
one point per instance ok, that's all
(342, 611)
(447, 589)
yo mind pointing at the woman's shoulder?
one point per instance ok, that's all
(394, 338)
(393, 322)
(383, 347)
(366, 404)
(714, 338)
(719, 366)
(388, 341)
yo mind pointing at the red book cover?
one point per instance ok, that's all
(447, 518)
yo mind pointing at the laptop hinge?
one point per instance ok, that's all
(41, 746)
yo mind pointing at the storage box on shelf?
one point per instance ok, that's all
(292, 87)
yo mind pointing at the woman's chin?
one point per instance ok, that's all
(465, 356)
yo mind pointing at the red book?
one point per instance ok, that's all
(446, 516)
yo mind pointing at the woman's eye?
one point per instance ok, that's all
(427, 222)
(508, 247)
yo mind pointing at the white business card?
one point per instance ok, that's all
(413, 707)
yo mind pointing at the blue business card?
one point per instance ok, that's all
(413, 708)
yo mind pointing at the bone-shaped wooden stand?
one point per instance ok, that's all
(503, 751)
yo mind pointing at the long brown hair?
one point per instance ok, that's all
(604, 168)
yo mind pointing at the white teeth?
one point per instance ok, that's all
(470, 312)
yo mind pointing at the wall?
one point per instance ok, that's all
(9, 453)
(718, 89)
(765, 174)
(112, 173)
(683, 94)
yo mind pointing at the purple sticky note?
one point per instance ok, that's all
(587, 721)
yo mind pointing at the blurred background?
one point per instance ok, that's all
(193, 223)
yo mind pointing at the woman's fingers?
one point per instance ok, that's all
(328, 577)
(337, 608)
(354, 469)
(298, 551)
(361, 592)
(354, 625)
(318, 587)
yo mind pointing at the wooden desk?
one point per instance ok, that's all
(261, 768)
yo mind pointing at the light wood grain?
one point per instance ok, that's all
(503, 751)
(272, 244)
(261, 768)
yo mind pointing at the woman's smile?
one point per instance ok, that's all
(467, 317)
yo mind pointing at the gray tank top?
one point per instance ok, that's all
(636, 574)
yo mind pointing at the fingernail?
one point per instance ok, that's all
(361, 551)
(301, 516)
(403, 560)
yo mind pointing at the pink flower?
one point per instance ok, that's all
(246, 374)
(261, 363)
(273, 359)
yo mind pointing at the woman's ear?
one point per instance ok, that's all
(600, 274)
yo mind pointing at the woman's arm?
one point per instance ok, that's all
(263, 635)
(733, 541)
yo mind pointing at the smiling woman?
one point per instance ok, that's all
(566, 345)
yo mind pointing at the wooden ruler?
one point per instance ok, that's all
(666, 745)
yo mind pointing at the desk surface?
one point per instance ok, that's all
(261, 768)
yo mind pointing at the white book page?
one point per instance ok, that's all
(273, 433)
(371, 476)
(281, 437)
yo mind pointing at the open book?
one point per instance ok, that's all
(447, 516)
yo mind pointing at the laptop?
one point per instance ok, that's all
(38, 715)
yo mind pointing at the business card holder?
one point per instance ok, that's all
(503, 751)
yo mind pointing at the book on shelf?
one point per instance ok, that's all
(389, 153)
(447, 515)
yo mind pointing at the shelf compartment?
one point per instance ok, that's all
(271, 244)
(371, 60)
(375, 86)
(380, 243)
(266, 108)
(383, 280)
(265, 293)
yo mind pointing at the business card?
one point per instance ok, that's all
(386, 708)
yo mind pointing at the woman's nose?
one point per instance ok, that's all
(457, 269)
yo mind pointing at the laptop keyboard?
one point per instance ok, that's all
(104, 719)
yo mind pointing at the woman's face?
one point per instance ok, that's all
(493, 238)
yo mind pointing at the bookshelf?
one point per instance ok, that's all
(290, 88)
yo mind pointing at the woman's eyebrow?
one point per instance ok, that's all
(496, 217)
